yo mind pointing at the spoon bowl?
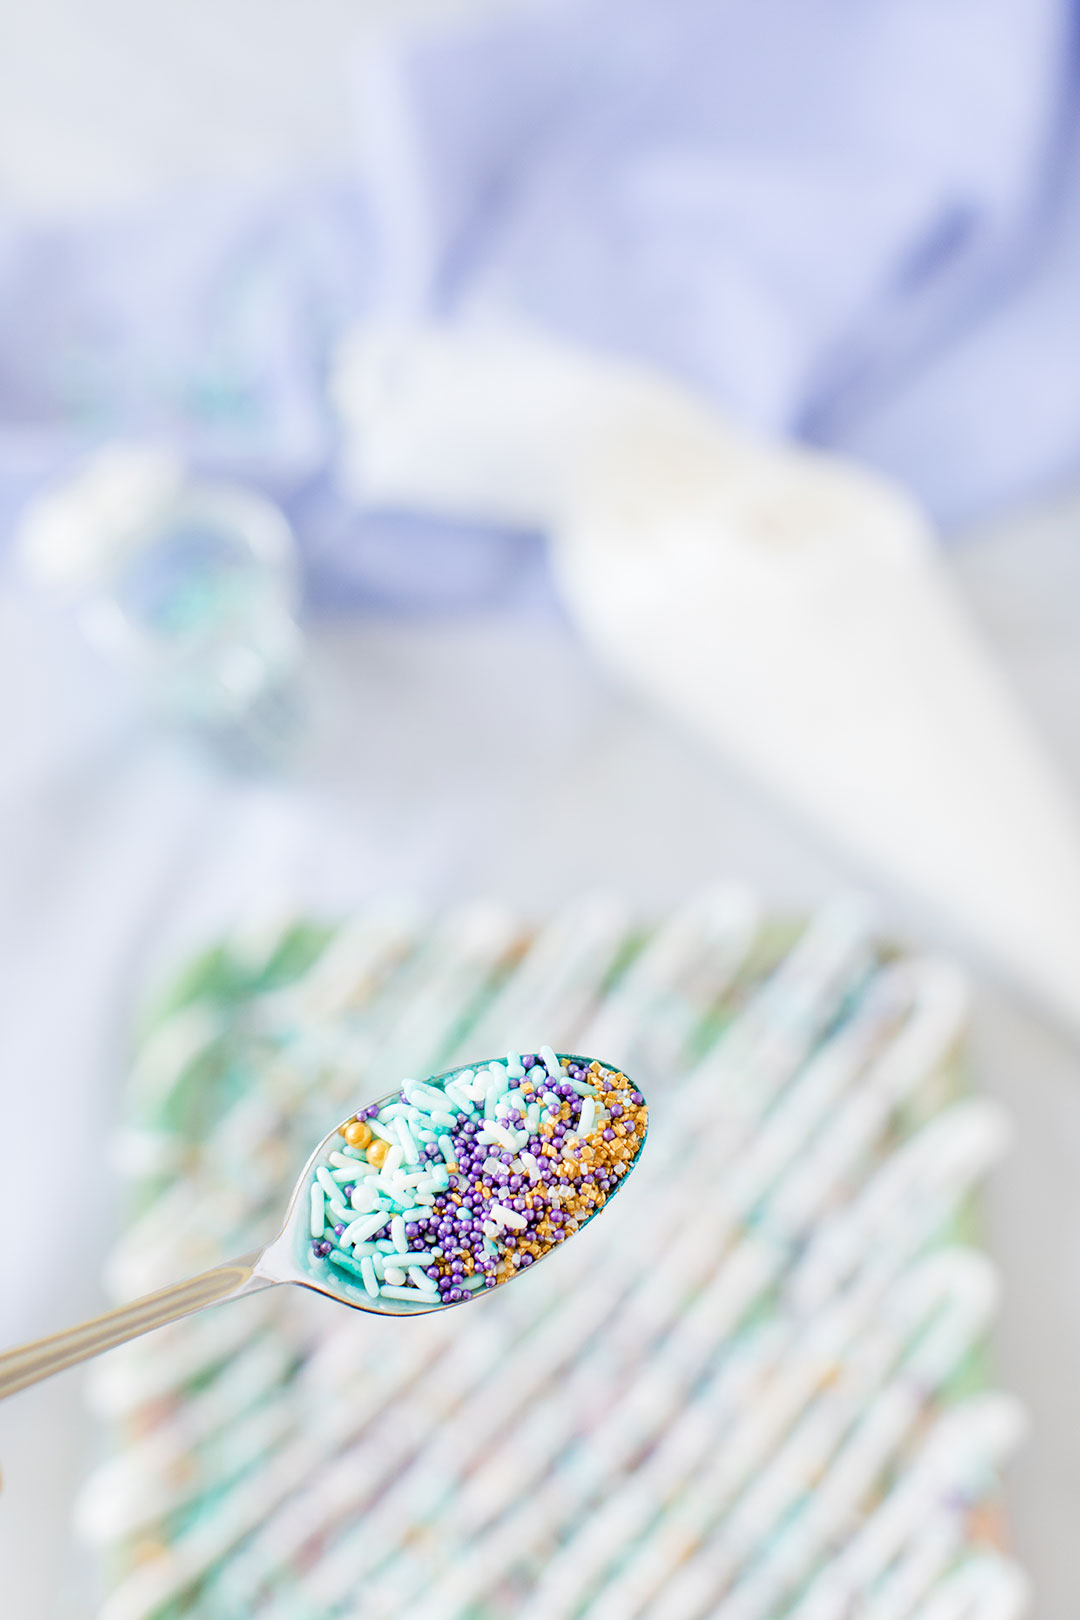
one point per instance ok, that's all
(285, 1259)
(462, 1264)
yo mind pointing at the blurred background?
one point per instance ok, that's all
(526, 451)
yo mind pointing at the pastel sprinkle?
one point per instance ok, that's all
(318, 1210)
(360, 1230)
(428, 1098)
(327, 1182)
(345, 1262)
(446, 1203)
(499, 1133)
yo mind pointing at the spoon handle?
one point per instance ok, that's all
(30, 1363)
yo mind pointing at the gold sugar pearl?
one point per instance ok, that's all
(357, 1133)
(377, 1152)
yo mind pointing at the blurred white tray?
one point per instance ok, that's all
(755, 1391)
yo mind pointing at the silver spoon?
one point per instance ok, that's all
(284, 1260)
